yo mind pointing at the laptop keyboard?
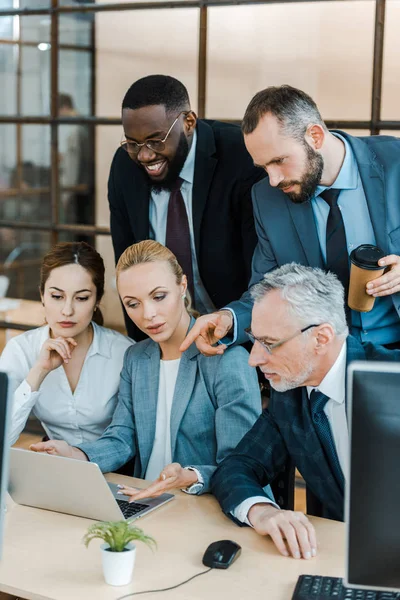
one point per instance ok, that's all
(316, 587)
(130, 509)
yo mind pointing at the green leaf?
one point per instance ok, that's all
(117, 534)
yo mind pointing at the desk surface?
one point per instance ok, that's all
(43, 557)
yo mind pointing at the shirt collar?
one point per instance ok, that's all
(347, 178)
(101, 343)
(333, 384)
(187, 172)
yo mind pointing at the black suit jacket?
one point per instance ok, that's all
(223, 222)
(284, 430)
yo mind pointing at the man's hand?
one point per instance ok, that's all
(207, 331)
(59, 448)
(294, 527)
(172, 476)
(389, 282)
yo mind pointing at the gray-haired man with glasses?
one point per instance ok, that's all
(302, 346)
(186, 183)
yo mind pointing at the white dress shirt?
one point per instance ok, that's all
(158, 211)
(76, 417)
(161, 452)
(333, 386)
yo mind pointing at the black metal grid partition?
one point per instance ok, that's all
(51, 189)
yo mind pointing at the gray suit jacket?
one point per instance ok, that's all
(216, 401)
(287, 231)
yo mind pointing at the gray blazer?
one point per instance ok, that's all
(287, 232)
(216, 401)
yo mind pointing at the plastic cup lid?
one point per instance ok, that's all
(366, 256)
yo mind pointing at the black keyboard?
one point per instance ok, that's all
(316, 587)
(130, 510)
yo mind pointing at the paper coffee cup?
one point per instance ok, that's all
(364, 268)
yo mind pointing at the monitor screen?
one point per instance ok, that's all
(3, 452)
(373, 492)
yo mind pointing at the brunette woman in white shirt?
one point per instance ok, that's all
(178, 415)
(67, 372)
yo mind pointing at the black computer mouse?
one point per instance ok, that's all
(221, 554)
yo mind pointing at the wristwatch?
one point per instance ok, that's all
(196, 487)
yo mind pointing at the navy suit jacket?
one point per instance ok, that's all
(223, 223)
(287, 232)
(286, 430)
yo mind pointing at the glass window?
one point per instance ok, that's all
(8, 78)
(76, 166)
(108, 138)
(35, 174)
(76, 29)
(21, 253)
(252, 47)
(35, 81)
(35, 28)
(75, 78)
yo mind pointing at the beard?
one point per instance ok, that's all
(175, 166)
(310, 180)
(305, 369)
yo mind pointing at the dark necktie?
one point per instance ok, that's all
(177, 237)
(323, 429)
(337, 259)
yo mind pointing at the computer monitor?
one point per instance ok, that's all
(373, 491)
(4, 444)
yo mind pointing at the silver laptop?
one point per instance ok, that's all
(71, 486)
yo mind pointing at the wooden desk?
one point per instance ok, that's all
(43, 557)
(28, 312)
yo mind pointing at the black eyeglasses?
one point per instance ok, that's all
(133, 148)
(270, 347)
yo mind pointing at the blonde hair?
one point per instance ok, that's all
(150, 251)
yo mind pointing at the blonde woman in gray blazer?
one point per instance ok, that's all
(178, 414)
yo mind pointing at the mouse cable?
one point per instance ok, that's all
(167, 588)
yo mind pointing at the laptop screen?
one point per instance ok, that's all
(3, 452)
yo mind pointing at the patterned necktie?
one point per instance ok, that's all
(177, 237)
(323, 429)
(337, 259)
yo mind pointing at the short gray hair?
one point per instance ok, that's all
(313, 295)
(294, 109)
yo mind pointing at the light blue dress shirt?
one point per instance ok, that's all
(158, 211)
(381, 325)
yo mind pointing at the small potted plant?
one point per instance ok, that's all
(118, 552)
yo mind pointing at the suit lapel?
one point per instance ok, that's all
(145, 407)
(183, 391)
(138, 203)
(205, 163)
(322, 480)
(303, 219)
(372, 178)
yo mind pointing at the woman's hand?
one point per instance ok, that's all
(58, 448)
(53, 354)
(171, 477)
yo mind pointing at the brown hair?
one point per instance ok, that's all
(150, 251)
(76, 253)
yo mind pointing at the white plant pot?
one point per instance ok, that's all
(118, 566)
